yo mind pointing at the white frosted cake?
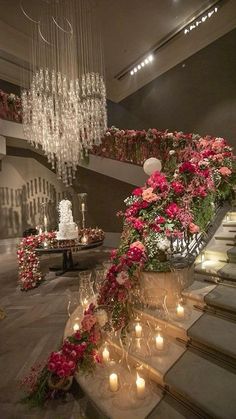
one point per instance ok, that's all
(67, 228)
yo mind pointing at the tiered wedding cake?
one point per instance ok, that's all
(67, 227)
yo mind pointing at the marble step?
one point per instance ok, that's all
(169, 408)
(119, 404)
(207, 385)
(222, 297)
(229, 238)
(231, 253)
(172, 326)
(217, 253)
(209, 267)
(206, 332)
(229, 223)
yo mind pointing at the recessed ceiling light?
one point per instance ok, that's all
(150, 58)
(135, 70)
(143, 64)
(139, 67)
(132, 72)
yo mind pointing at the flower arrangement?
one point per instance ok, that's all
(173, 204)
(10, 107)
(78, 352)
(28, 260)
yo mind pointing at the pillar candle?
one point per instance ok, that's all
(180, 311)
(76, 327)
(138, 330)
(113, 382)
(140, 387)
(159, 342)
(105, 355)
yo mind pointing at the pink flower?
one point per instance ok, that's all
(224, 171)
(149, 196)
(187, 166)
(135, 254)
(138, 245)
(160, 220)
(137, 192)
(122, 277)
(172, 210)
(158, 180)
(138, 224)
(193, 228)
(178, 187)
(88, 322)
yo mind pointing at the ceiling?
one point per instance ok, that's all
(130, 29)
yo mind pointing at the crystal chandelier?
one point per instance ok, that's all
(64, 110)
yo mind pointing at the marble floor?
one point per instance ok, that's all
(33, 327)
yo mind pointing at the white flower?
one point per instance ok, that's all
(171, 152)
(102, 317)
(122, 277)
(163, 244)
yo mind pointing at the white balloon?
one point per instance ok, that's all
(152, 165)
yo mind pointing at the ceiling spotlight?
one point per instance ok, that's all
(132, 72)
(139, 67)
(150, 58)
(143, 64)
(146, 61)
(135, 70)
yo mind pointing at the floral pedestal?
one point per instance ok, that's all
(172, 282)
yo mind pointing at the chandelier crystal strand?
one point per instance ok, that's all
(64, 110)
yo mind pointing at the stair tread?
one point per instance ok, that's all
(209, 386)
(209, 267)
(179, 327)
(223, 297)
(198, 290)
(93, 387)
(228, 271)
(168, 408)
(206, 331)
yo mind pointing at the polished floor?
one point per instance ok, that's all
(33, 327)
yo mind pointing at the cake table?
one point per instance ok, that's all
(67, 258)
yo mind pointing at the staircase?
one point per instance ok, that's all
(195, 377)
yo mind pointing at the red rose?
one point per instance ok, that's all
(172, 210)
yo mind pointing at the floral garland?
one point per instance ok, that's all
(171, 205)
(28, 260)
(10, 107)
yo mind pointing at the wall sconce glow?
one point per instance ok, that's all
(200, 20)
(140, 66)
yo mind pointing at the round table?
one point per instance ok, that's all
(67, 258)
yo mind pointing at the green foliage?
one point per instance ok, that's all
(203, 211)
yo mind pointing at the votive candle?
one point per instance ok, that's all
(76, 327)
(180, 311)
(138, 330)
(159, 342)
(106, 355)
(113, 382)
(140, 387)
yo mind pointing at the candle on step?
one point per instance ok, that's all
(45, 220)
(159, 342)
(106, 355)
(83, 206)
(85, 303)
(138, 330)
(113, 382)
(140, 387)
(180, 311)
(76, 327)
